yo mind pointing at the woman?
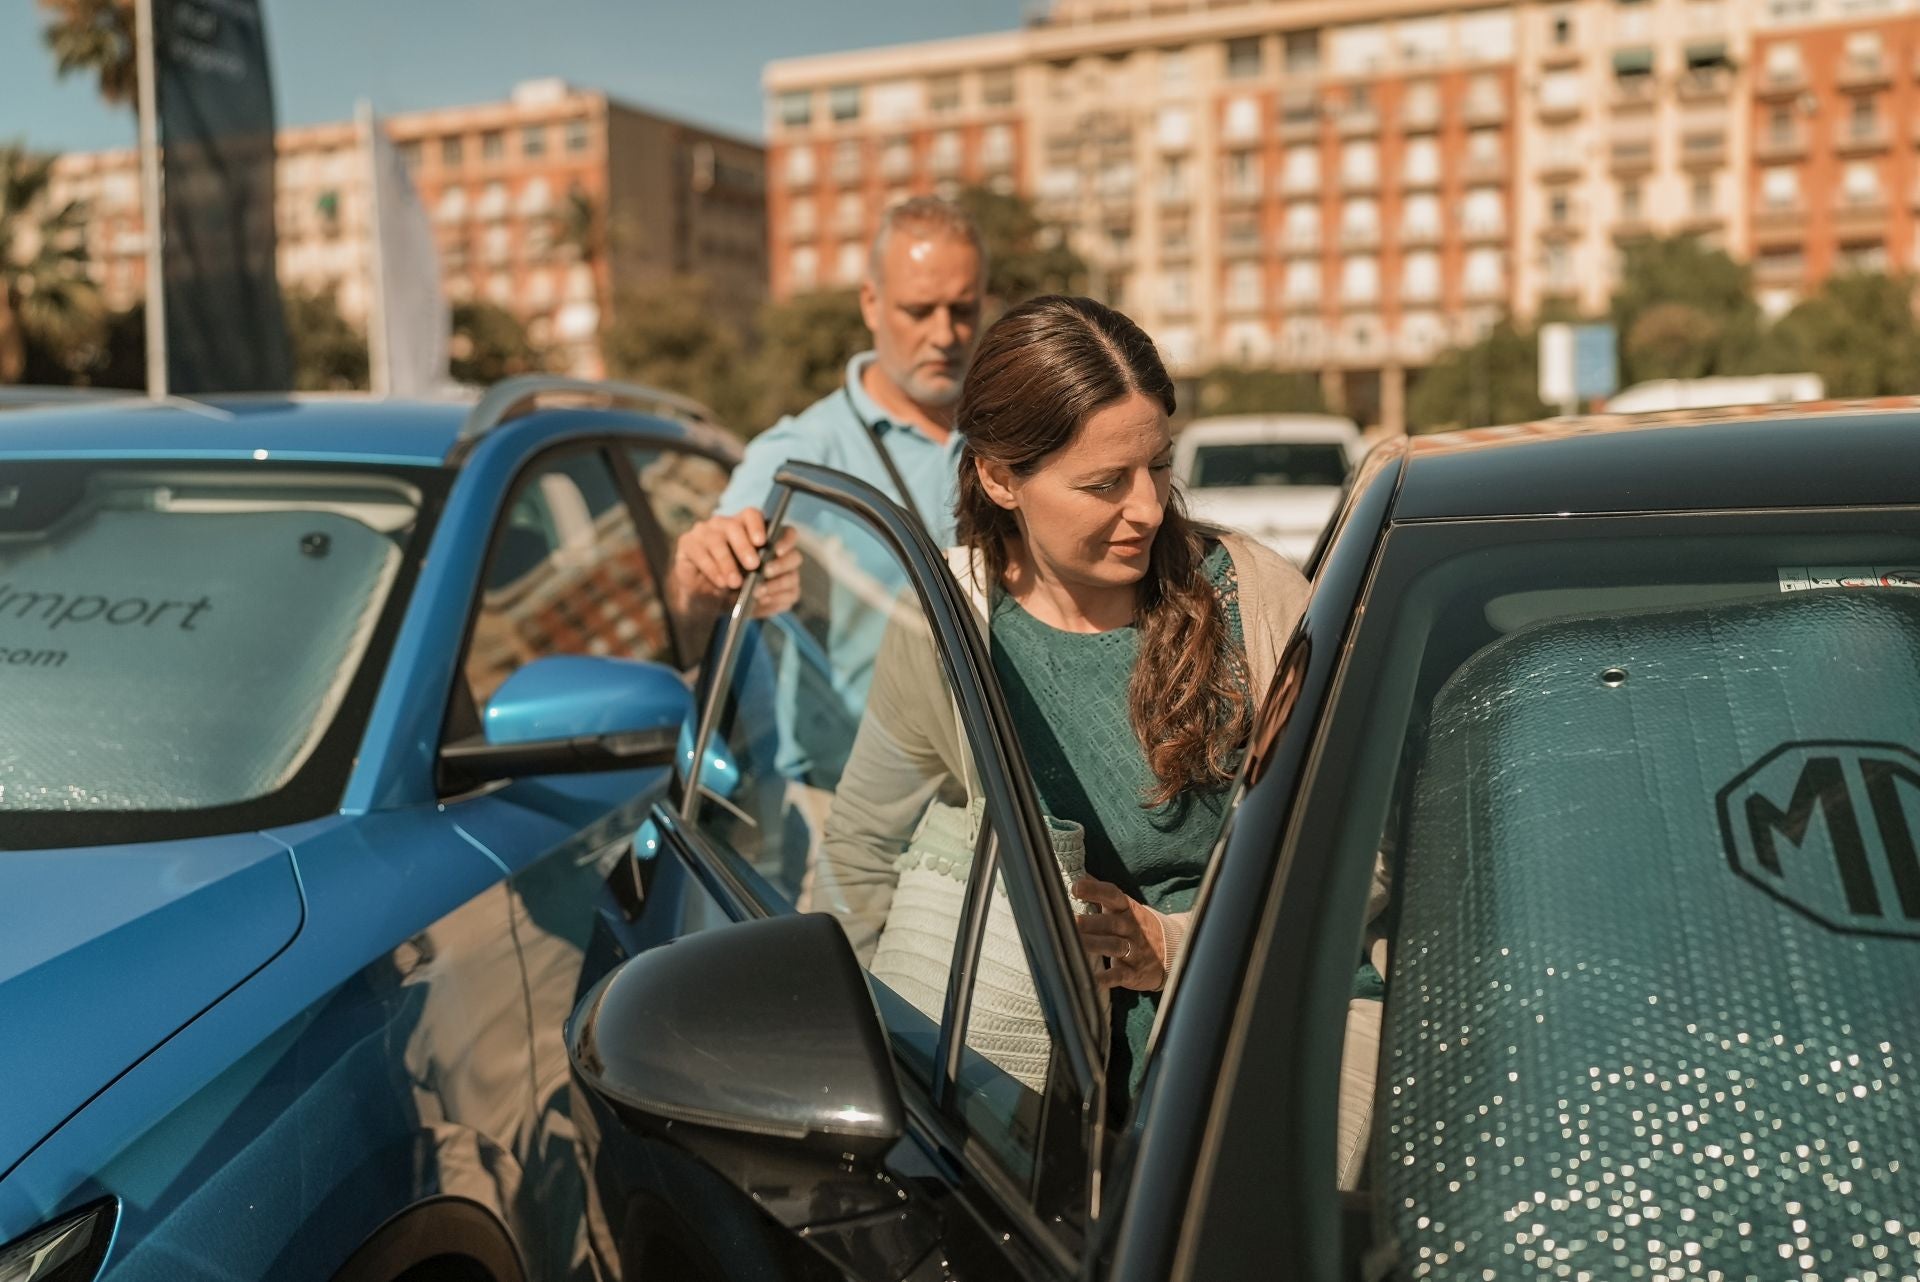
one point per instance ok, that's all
(1131, 644)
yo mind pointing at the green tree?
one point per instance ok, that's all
(1026, 255)
(1232, 389)
(1718, 337)
(489, 344)
(804, 345)
(1857, 333)
(44, 285)
(96, 38)
(670, 335)
(1494, 381)
(329, 354)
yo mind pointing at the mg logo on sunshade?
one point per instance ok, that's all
(1827, 827)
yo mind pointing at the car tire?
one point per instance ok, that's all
(446, 1239)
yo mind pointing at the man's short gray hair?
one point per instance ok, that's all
(924, 217)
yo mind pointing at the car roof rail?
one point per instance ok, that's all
(524, 393)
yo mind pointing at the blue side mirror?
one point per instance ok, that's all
(574, 714)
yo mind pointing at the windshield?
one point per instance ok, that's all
(1641, 796)
(179, 640)
(1268, 463)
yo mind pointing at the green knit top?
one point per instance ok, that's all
(1067, 692)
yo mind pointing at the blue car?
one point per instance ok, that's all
(326, 731)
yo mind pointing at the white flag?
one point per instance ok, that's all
(409, 322)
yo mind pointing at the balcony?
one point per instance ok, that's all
(1778, 145)
(1360, 180)
(1300, 300)
(1860, 215)
(1874, 72)
(1704, 83)
(1630, 155)
(1300, 184)
(1484, 230)
(1420, 180)
(1359, 237)
(1561, 164)
(1557, 110)
(1780, 221)
(1704, 150)
(1239, 192)
(1353, 123)
(1855, 136)
(1563, 229)
(1634, 91)
(1414, 234)
(1487, 109)
(1420, 115)
(1484, 169)
(1635, 228)
(1301, 241)
(1780, 82)
(1300, 127)
(1484, 291)
(1779, 269)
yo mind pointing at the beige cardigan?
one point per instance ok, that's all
(910, 748)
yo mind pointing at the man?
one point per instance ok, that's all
(890, 424)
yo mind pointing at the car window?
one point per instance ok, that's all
(566, 574)
(681, 487)
(176, 638)
(852, 788)
(1254, 463)
(1638, 808)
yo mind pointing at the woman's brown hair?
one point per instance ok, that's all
(1044, 369)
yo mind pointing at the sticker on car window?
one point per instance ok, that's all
(1807, 578)
(1827, 828)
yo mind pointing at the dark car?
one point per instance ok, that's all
(1600, 740)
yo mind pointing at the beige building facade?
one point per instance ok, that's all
(1351, 186)
(553, 204)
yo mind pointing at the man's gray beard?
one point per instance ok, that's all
(940, 399)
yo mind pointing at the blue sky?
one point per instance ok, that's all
(699, 59)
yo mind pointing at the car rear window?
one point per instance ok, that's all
(181, 638)
(1267, 463)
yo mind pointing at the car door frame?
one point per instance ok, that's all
(1066, 1172)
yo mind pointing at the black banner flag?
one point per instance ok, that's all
(225, 329)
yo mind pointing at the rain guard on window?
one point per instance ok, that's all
(1652, 1009)
(180, 638)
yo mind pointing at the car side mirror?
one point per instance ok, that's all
(573, 714)
(757, 1048)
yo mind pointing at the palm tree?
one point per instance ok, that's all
(44, 286)
(97, 37)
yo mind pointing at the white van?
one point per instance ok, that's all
(1277, 477)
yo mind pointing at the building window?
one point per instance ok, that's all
(849, 263)
(1174, 179)
(1780, 126)
(533, 140)
(1302, 52)
(1485, 274)
(843, 102)
(451, 151)
(1561, 32)
(1780, 187)
(802, 219)
(1783, 62)
(1867, 256)
(1303, 225)
(996, 146)
(1360, 221)
(410, 155)
(806, 267)
(1860, 183)
(1242, 121)
(849, 214)
(796, 111)
(996, 87)
(1484, 212)
(800, 171)
(1175, 71)
(1632, 20)
(1421, 107)
(897, 160)
(1302, 281)
(1241, 171)
(1243, 58)
(493, 146)
(1360, 279)
(943, 94)
(846, 162)
(1420, 276)
(1559, 208)
(1421, 162)
(1420, 217)
(493, 201)
(577, 136)
(1175, 129)
(1243, 286)
(1630, 206)
(1700, 198)
(1176, 290)
(1863, 118)
(1559, 266)
(1303, 169)
(1360, 163)
(946, 151)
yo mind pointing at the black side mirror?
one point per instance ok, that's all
(757, 1048)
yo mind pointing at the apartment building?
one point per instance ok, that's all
(1351, 186)
(552, 204)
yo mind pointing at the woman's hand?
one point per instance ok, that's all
(1125, 933)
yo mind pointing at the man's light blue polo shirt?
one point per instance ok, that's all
(818, 711)
(827, 433)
